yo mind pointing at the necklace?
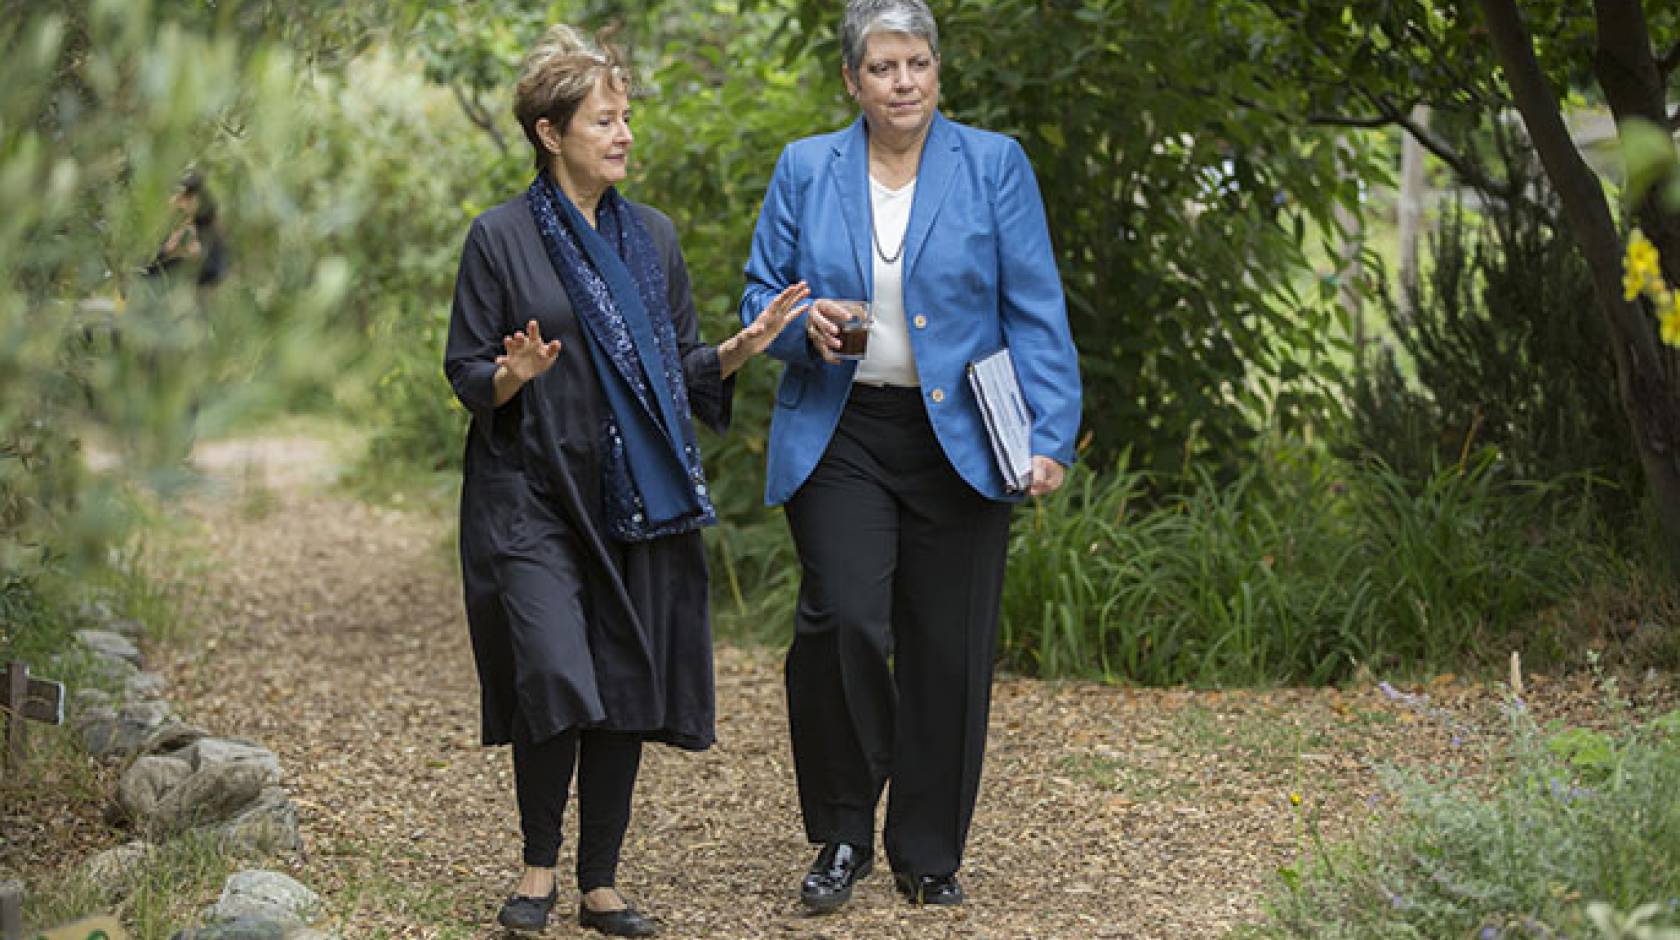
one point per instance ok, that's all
(875, 236)
(882, 254)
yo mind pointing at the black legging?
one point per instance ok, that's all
(606, 763)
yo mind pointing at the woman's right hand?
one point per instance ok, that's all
(822, 328)
(527, 355)
(526, 358)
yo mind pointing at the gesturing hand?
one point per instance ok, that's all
(527, 355)
(734, 352)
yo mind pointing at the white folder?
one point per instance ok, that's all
(1004, 412)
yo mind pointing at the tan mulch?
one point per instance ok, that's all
(334, 634)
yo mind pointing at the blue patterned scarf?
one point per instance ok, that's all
(654, 485)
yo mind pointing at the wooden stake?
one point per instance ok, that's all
(17, 692)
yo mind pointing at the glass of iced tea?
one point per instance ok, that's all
(854, 319)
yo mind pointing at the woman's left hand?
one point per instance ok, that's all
(734, 352)
(1047, 476)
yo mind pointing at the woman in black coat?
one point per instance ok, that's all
(574, 344)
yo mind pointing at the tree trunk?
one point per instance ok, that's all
(1642, 363)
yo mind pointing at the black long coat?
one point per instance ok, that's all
(570, 628)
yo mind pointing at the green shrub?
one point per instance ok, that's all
(1561, 839)
(1299, 570)
(1503, 349)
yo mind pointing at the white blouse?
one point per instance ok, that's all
(889, 360)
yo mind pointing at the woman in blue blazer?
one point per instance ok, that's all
(895, 503)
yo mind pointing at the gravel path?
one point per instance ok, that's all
(335, 636)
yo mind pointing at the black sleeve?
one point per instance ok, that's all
(215, 263)
(477, 324)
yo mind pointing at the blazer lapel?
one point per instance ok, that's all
(940, 161)
(851, 183)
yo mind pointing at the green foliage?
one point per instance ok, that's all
(1299, 570)
(102, 114)
(1555, 848)
(399, 299)
(1506, 352)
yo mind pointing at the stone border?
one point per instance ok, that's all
(183, 780)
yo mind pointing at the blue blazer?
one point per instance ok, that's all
(979, 274)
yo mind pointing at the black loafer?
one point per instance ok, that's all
(624, 922)
(521, 912)
(929, 889)
(828, 884)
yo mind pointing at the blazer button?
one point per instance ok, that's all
(938, 395)
(920, 321)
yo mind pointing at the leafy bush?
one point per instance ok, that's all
(1578, 825)
(1300, 570)
(1507, 352)
(106, 105)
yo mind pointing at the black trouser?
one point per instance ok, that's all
(606, 763)
(889, 674)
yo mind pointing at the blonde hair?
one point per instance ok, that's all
(558, 73)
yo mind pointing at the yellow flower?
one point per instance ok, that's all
(1671, 326)
(1294, 799)
(1633, 283)
(1640, 269)
(1641, 254)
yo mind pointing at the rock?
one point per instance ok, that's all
(264, 896)
(144, 685)
(209, 751)
(120, 733)
(122, 626)
(111, 645)
(108, 671)
(86, 700)
(96, 610)
(308, 933)
(210, 795)
(172, 736)
(240, 928)
(146, 782)
(265, 827)
(112, 871)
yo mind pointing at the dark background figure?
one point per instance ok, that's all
(195, 243)
(575, 345)
(897, 510)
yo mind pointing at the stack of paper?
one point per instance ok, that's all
(1004, 411)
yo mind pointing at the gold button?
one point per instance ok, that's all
(938, 395)
(921, 322)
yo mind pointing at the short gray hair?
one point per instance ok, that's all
(864, 18)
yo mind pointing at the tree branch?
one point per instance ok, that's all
(1464, 166)
(1390, 114)
(476, 113)
(1578, 187)
(1628, 72)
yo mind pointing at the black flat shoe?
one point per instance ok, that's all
(929, 889)
(828, 884)
(624, 922)
(521, 912)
